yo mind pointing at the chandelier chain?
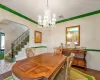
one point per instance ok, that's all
(47, 4)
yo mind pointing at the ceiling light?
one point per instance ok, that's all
(47, 20)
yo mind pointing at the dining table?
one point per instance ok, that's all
(40, 67)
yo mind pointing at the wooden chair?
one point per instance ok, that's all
(30, 52)
(58, 51)
(69, 63)
(64, 72)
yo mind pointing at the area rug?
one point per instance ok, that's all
(78, 75)
(9, 78)
(75, 75)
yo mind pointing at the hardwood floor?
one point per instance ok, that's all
(91, 72)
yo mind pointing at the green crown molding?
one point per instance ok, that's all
(72, 18)
(16, 13)
(79, 16)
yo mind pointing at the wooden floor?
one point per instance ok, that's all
(94, 73)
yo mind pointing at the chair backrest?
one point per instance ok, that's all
(58, 51)
(69, 63)
(30, 52)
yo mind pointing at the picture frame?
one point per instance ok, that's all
(73, 35)
(38, 37)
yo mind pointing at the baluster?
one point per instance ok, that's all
(12, 50)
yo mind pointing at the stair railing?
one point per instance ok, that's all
(18, 41)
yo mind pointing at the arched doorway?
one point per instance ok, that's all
(2, 44)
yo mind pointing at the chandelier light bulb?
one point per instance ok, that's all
(47, 20)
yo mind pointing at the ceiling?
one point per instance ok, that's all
(66, 8)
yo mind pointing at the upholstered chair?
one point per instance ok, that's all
(30, 52)
(57, 51)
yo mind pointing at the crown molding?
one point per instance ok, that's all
(17, 13)
(60, 21)
(79, 16)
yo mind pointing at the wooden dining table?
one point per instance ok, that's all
(41, 66)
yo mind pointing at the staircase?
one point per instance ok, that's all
(17, 45)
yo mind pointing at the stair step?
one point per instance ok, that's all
(9, 59)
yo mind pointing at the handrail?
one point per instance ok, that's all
(18, 41)
(21, 35)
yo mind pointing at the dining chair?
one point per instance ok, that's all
(57, 51)
(69, 63)
(30, 52)
(64, 72)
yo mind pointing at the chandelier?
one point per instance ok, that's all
(47, 20)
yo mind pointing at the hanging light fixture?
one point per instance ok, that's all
(47, 20)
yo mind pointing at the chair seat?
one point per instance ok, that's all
(76, 76)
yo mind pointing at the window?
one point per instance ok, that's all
(2, 42)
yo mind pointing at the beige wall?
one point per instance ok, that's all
(5, 15)
(12, 31)
(89, 37)
(89, 34)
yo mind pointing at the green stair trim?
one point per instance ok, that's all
(40, 47)
(60, 21)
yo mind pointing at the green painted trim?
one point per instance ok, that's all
(2, 33)
(95, 50)
(23, 16)
(16, 13)
(40, 47)
(79, 16)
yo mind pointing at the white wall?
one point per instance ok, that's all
(89, 37)
(5, 15)
(12, 31)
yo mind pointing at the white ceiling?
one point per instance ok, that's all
(67, 8)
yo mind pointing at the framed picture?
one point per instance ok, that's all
(73, 35)
(38, 37)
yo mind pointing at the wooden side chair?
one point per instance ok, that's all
(64, 72)
(69, 63)
(58, 51)
(30, 52)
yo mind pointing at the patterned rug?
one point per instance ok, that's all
(75, 75)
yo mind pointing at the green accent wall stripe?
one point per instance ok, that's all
(40, 47)
(27, 18)
(79, 16)
(16, 13)
(95, 50)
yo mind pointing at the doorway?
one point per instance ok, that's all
(2, 44)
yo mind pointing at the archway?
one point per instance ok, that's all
(13, 31)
